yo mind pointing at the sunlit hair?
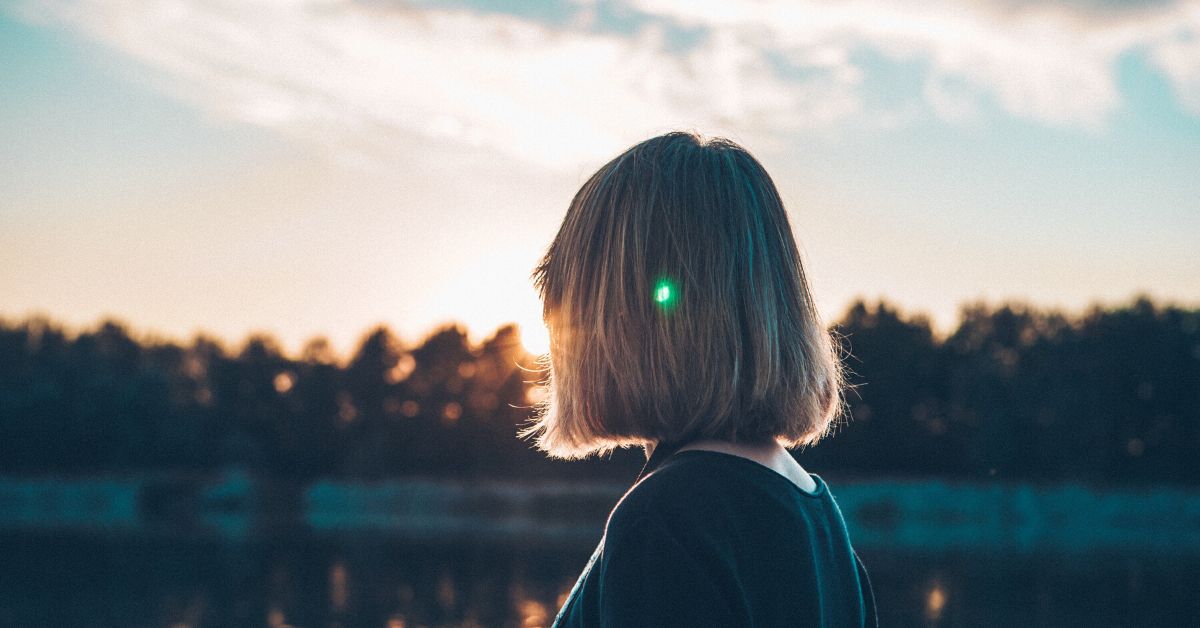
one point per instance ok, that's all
(678, 308)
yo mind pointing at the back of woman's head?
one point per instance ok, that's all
(678, 308)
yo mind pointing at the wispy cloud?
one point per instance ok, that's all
(1178, 54)
(351, 75)
(354, 76)
(1048, 61)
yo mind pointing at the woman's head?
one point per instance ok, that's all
(678, 308)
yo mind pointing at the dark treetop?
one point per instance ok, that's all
(714, 539)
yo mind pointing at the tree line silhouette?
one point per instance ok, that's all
(1109, 395)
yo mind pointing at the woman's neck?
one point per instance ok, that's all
(771, 455)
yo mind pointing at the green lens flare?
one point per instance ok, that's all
(665, 293)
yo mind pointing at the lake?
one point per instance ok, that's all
(307, 580)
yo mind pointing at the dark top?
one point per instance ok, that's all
(714, 539)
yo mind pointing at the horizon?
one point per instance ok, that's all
(539, 345)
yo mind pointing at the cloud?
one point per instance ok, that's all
(358, 78)
(1178, 54)
(353, 77)
(1047, 61)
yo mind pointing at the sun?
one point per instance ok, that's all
(535, 337)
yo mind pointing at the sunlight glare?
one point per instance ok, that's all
(535, 337)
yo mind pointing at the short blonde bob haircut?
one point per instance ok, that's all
(678, 309)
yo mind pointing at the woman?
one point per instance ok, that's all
(681, 321)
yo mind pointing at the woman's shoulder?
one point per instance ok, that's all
(709, 491)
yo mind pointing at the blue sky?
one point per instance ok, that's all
(317, 167)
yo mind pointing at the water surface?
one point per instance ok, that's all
(309, 581)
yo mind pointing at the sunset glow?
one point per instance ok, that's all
(309, 169)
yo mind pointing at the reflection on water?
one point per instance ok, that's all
(935, 602)
(79, 581)
(307, 582)
(337, 586)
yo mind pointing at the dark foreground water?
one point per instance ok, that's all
(58, 580)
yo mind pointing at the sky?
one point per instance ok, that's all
(306, 168)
